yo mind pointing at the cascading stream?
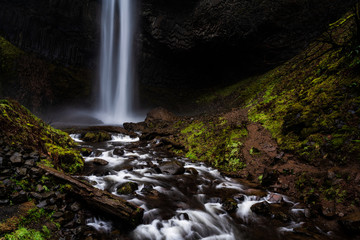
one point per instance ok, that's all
(116, 88)
(192, 205)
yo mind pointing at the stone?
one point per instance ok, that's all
(172, 168)
(230, 205)
(240, 198)
(16, 158)
(101, 162)
(261, 208)
(36, 195)
(127, 188)
(118, 152)
(275, 198)
(19, 197)
(21, 171)
(192, 171)
(39, 188)
(30, 162)
(75, 207)
(57, 215)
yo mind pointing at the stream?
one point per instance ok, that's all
(198, 203)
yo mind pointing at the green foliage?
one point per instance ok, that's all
(24, 234)
(215, 142)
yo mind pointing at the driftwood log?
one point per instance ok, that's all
(100, 200)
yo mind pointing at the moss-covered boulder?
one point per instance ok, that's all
(127, 188)
(21, 129)
(100, 136)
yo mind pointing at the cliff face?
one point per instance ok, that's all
(191, 43)
(60, 30)
(208, 41)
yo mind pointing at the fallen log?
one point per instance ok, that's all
(100, 200)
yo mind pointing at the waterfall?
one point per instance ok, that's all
(116, 88)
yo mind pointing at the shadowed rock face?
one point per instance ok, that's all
(196, 43)
(62, 30)
(209, 41)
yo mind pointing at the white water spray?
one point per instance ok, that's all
(116, 89)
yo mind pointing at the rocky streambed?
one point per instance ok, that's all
(186, 200)
(181, 199)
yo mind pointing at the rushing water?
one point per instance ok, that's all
(186, 206)
(116, 88)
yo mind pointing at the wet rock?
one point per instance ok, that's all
(192, 171)
(94, 137)
(230, 205)
(262, 208)
(86, 151)
(75, 207)
(101, 162)
(275, 198)
(239, 197)
(127, 188)
(351, 223)
(148, 191)
(255, 192)
(19, 197)
(16, 159)
(172, 168)
(118, 152)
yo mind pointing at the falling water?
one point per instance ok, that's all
(116, 92)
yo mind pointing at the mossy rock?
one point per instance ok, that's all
(96, 137)
(127, 188)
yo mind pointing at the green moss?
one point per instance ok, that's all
(96, 136)
(69, 160)
(216, 142)
(25, 130)
(32, 226)
(24, 234)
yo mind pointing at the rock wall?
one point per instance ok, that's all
(213, 41)
(65, 31)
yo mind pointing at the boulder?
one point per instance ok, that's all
(118, 151)
(127, 188)
(100, 136)
(172, 168)
(230, 205)
(101, 162)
